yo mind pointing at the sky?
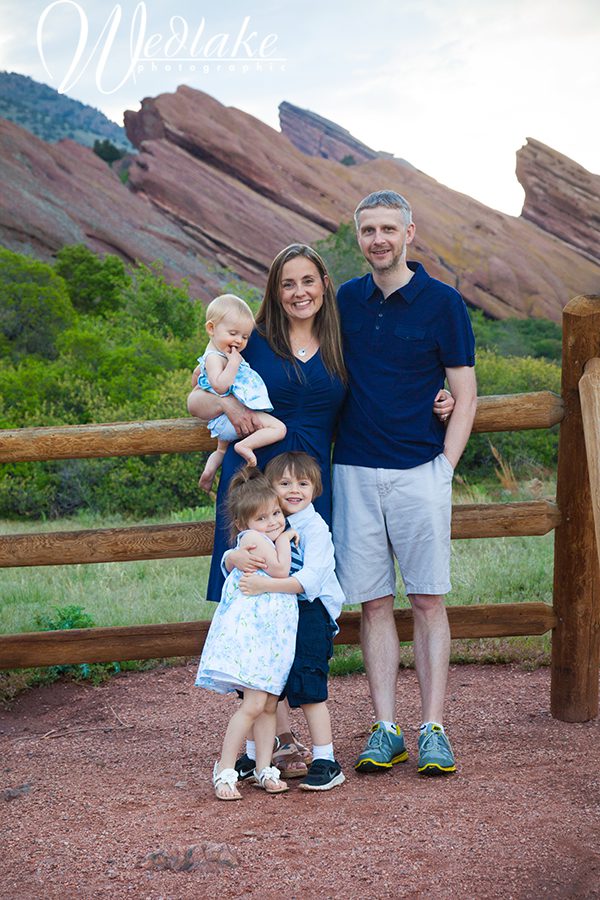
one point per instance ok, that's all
(453, 86)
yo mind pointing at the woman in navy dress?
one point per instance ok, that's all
(296, 348)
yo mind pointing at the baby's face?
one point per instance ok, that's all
(295, 493)
(232, 332)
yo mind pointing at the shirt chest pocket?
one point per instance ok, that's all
(413, 346)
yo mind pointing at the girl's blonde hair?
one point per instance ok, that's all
(221, 306)
(249, 491)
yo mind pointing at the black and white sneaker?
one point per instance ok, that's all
(323, 775)
(245, 767)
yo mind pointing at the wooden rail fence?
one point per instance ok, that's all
(574, 616)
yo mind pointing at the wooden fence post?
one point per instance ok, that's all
(576, 638)
(589, 396)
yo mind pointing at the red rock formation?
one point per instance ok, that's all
(245, 190)
(316, 136)
(57, 194)
(561, 197)
(213, 186)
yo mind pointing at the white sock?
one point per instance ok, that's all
(437, 724)
(389, 726)
(323, 751)
(251, 749)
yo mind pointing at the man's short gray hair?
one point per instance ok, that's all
(385, 198)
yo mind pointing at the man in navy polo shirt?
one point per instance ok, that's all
(404, 333)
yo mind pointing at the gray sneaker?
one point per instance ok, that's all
(382, 751)
(435, 752)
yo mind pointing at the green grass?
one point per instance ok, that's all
(173, 590)
(141, 592)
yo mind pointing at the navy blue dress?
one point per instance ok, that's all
(308, 404)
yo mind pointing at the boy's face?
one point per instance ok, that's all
(295, 493)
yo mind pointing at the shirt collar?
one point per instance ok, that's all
(409, 292)
(297, 520)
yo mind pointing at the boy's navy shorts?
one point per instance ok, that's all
(307, 681)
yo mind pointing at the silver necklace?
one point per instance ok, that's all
(302, 351)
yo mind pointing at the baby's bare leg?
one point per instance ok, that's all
(213, 464)
(271, 430)
(204, 405)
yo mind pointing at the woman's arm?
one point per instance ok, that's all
(443, 404)
(204, 405)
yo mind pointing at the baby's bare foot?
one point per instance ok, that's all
(206, 481)
(246, 453)
(213, 464)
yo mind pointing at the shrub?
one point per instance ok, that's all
(95, 285)
(107, 151)
(162, 308)
(539, 338)
(65, 618)
(342, 254)
(35, 307)
(522, 450)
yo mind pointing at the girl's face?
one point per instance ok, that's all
(301, 289)
(268, 520)
(232, 332)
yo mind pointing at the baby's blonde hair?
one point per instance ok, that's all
(221, 306)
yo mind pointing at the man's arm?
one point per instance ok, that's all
(463, 385)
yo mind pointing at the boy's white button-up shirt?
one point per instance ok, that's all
(317, 575)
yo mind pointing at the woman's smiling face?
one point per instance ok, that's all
(301, 289)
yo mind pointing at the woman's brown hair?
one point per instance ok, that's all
(272, 323)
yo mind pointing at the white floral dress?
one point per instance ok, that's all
(251, 641)
(248, 387)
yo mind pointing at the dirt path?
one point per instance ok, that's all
(95, 780)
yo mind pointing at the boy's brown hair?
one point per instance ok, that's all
(300, 464)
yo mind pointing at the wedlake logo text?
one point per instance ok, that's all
(183, 48)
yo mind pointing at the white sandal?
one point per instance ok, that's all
(225, 778)
(272, 774)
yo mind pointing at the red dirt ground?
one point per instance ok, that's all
(96, 780)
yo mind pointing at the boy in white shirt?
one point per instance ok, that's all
(296, 478)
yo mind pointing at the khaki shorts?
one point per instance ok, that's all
(382, 513)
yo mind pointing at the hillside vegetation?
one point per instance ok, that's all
(52, 116)
(88, 340)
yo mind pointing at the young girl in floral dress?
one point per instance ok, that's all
(251, 641)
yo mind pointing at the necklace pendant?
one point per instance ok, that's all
(302, 351)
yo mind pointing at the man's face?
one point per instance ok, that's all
(383, 236)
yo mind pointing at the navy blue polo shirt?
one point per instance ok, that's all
(396, 351)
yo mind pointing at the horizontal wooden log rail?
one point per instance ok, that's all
(196, 538)
(89, 645)
(502, 412)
